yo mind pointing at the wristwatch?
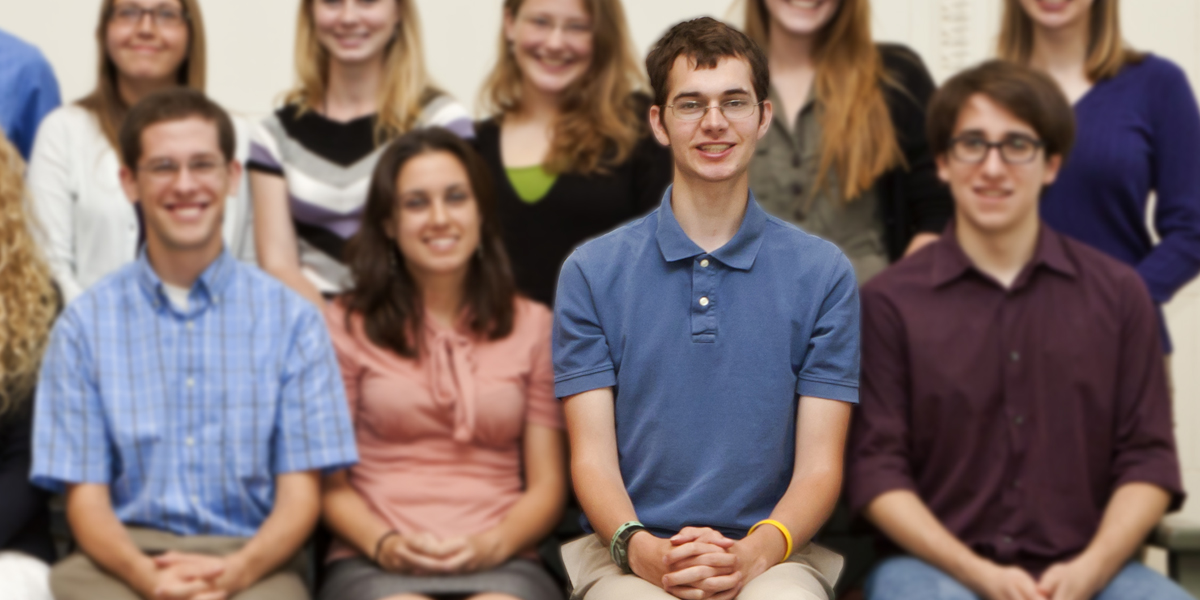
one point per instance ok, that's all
(619, 547)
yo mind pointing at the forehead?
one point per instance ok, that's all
(149, 3)
(983, 114)
(562, 8)
(436, 168)
(731, 73)
(181, 137)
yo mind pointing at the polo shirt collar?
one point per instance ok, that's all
(738, 253)
(950, 262)
(207, 289)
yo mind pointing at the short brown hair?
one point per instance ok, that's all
(705, 41)
(1029, 95)
(173, 104)
(385, 294)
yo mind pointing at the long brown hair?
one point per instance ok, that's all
(858, 138)
(600, 121)
(1107, 51)
(406, 85)
(28, 300)
(105, 100)
(385, 293)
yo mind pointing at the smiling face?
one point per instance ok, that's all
(147, 47)
(181, 182)
(801, 17)
(1056, 14)
(355, 31)
(436, 221)
(714, 148)
(551, 41)
(994, 197)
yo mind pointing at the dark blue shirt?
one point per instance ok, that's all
(706, 353)
(30, 91)
(1137, 133)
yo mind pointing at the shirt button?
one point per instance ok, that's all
(795, 161)
(1007, 540)
(1017, 483)
(704, 301)
(1018, 419)
(195, 499)
(190, 326)
(797, 189)
(1015, 356)
(191, 441)
(191, 382)
(704, 263)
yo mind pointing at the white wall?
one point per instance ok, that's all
(250, 47)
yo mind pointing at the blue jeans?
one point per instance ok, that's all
(907, 578)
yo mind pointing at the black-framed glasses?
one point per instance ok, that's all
(163, 15)
(1015, 149)
(694, 110)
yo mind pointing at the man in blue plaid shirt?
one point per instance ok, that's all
(188, 403)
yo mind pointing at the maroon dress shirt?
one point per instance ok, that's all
(1013, 413)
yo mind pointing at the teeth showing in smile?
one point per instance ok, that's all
(715, 148)
(808, 4)
(187, 211)
(442, 244)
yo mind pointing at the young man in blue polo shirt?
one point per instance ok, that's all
(707, 356)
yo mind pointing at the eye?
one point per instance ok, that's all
(540, 21)
(457, 195)
(579, 27)
(1019, 143)
(689, 105)
(973, 143)
(414, 202)
(202, 167)
(735, 103)
(162, 167)
(128, 12)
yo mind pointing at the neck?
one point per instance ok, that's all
(133, 90)
(787, 51)
(537, 105)
(442, 295)
(1061, 52)
(180, 268)
(710, 213)
(1002, 255)
(353, 89)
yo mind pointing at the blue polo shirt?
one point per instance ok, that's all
(706, 354)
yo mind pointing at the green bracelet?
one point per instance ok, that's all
(618, 547)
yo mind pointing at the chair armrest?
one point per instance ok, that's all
(1177, 533)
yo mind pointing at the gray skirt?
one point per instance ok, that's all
(360, 579)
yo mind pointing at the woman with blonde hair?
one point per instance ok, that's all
(28, 302)
(1138, 133)
(90, 228)
(362, 82)
(846, 157)
(568, 141)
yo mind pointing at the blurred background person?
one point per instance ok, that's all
(567, 141)
(1139, 134)
(846, 157)
(30, 91)
(90, 228)
(362, 82)
(448, 375)
(28, 302)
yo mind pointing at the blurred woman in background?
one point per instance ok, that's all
(451, 388)
(28, 302)
(568, 142)
(1138, 133)
(846, 157)
(362, 82)
(90, 228)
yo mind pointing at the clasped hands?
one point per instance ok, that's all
(187, 576)
(426, 554)
(700, 563)
(1078, 579)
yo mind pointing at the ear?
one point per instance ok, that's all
(129, 184)
(1053, 166)
(510, 26)
(657, 127)
(235, 178)
(943, 168)
(768, 113)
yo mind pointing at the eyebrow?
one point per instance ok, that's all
(725, 94)
(1010, 133)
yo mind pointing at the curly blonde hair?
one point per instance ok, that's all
(28, 298)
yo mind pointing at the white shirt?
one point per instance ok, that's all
(86, 225)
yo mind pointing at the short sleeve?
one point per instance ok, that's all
(446, 112)
(541, 407)
(830, 367)
(70, 441)
(264, 148)
(313, 430)
(345, 347)
(41, 97)
(582, 361)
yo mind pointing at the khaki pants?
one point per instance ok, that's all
(808, 575)
(78, 578)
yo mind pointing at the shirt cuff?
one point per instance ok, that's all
(586, 382)
(864, 484)
(828, 390)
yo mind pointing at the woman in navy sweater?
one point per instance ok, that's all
(1138, 133)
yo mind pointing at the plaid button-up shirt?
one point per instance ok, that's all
(189, 415)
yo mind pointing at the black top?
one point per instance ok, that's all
(912, 198)
(540, 236)
(24, 513)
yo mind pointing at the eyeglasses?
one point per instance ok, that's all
(163, 15)
(167, 170)
(1014, 149)
(694, 110)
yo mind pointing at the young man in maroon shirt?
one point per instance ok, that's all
(1014, 435)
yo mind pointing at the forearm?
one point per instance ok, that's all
(1133, 511)
(904, 518)
(297, 506)
(349, 516)
(536, 512)
(292, 277)
(603, 497)
(104, 539)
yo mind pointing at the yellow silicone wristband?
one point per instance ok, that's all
(787, 535)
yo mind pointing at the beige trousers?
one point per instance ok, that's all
(78, 578)
(808, 575)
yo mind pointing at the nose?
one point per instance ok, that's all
(349, 12)
(186, 182)
(438, 214)
(146, 24)
(714, 119)
(993, 163)
(555, 40)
